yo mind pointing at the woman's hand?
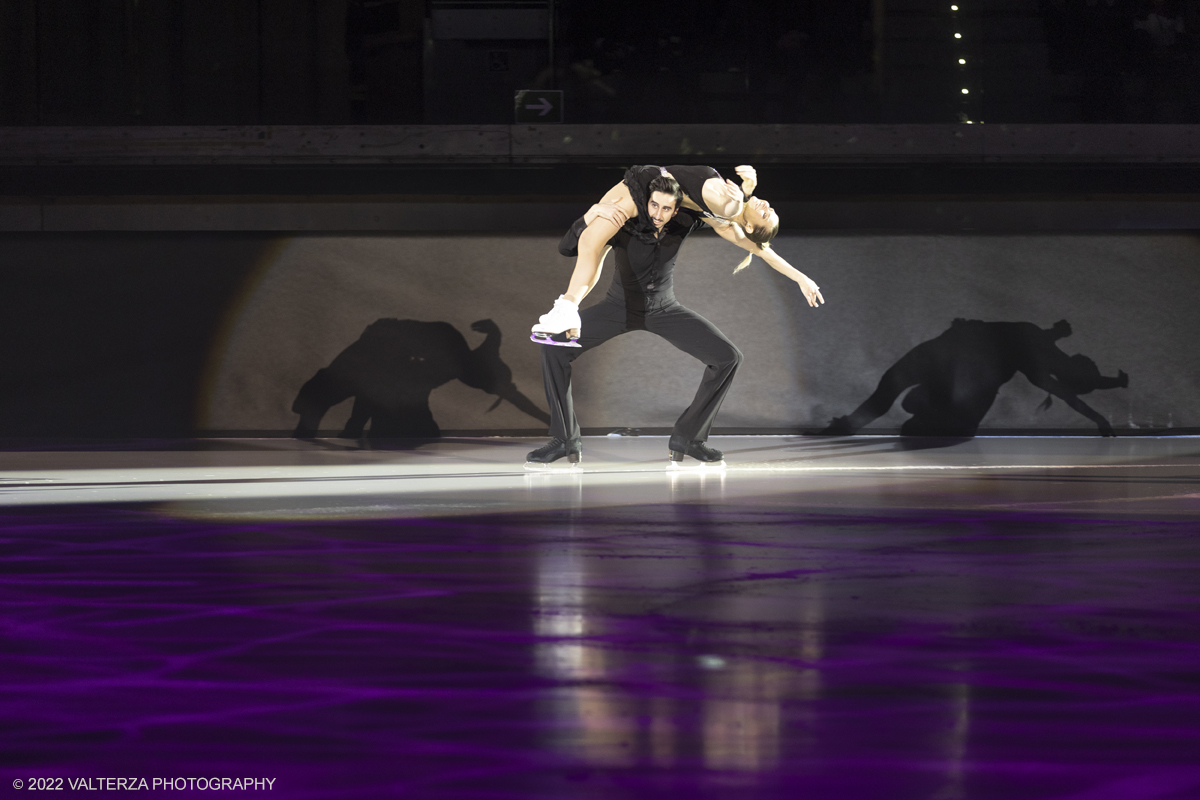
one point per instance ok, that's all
(812, 292)
(749, 178)
(609, 211)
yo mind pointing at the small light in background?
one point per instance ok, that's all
(954, 8)
(966, 91)
(958, 36)
(962, 61)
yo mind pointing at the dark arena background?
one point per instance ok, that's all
(267, 391)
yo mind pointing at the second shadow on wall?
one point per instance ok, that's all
(954, 378)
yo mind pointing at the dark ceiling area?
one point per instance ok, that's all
(306, 62)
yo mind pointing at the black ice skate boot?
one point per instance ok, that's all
(552, 451)
(700, 451)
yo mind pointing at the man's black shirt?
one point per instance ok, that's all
(644, 279)
(644, 264)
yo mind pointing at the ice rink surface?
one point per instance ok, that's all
(862, 617)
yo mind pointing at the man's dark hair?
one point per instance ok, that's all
(666, 185)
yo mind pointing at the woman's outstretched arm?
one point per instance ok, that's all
(1047, 383)
(734, 234)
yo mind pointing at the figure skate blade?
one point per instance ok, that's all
(695, 466)
(555, 466)
(558, 339)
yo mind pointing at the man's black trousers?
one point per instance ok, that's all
(685, 329)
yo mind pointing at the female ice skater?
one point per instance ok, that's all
(642, 298)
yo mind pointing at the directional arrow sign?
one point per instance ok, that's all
(543, 107)
(538, 106)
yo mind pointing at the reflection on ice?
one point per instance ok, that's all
(558, 619)
(743, 709)
(956, 741)
(717, 700)
(742, 714)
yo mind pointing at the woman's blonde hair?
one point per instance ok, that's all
(760, 236)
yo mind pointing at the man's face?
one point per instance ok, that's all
(661, 207)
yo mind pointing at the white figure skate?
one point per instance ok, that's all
(560, 326)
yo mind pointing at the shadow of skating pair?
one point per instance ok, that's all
(953, 380)
(392, 370)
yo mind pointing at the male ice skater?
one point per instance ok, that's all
(641, 298)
